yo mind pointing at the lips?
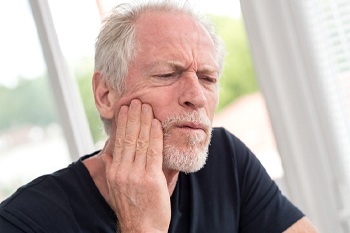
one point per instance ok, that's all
(191, 125)
(191, 121)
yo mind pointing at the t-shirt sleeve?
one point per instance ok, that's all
(263, 207)
(10, 224)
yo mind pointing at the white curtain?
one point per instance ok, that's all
(301, 55)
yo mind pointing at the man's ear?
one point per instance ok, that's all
(104, 95)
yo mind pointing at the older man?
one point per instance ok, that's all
(156, 89)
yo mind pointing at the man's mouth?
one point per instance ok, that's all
(188, 122)
(193, 126)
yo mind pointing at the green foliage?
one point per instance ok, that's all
(31, 102)
(238, 75)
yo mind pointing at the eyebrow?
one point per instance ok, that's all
(173, 64)
(177, 66)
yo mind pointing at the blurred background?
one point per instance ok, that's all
(285, 92)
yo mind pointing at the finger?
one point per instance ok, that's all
(143, 139)
(132, 132)
(155, 149)
(119, 135)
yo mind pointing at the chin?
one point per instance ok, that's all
(186, 141)
(188, 158)
(184, 160)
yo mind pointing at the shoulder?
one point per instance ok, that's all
(54, 187)
(41, 189)
(219, 133)
(224, 141)
(227, 147)
(260, 196)
(32, 204)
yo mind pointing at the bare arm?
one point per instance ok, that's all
(302, 226)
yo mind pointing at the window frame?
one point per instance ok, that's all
(64, 87)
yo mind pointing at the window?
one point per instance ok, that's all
(32, 142)
(300, 51)
(301, 57)
(36, 99)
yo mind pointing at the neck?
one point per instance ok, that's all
(171, 178)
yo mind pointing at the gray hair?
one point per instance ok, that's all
(115, 44)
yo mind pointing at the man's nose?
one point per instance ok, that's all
(192, 93)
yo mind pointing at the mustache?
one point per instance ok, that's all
(197, 119)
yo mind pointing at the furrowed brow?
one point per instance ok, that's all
(208, 71)
(176, 66)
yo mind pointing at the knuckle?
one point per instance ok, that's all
(152, 151)
(141, 143)
(133, 119)
(119, 143)
(129, 140)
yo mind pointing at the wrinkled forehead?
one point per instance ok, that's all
(172, 31)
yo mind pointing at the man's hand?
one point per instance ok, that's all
(138, 190)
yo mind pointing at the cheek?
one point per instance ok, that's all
(213, 101)
(160, 101)
(132, 92)
(162, 104)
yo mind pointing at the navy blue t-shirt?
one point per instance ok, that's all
(232, 193)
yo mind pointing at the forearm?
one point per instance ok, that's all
(302, 226)
(139, 229)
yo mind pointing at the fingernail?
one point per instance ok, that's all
(134, 103)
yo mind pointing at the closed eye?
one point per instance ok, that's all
(168, 75)
(208, 79)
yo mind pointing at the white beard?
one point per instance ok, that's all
(192, 156)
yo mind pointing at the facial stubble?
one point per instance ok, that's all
(192, 155)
